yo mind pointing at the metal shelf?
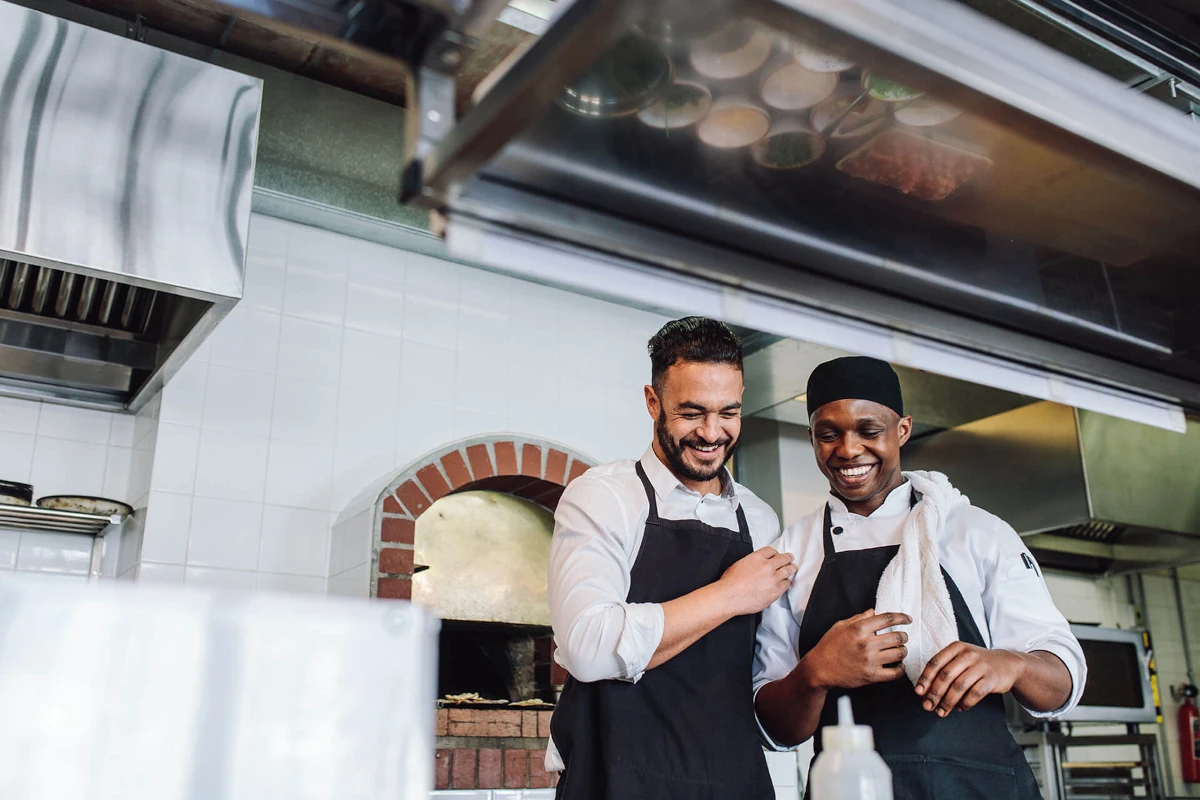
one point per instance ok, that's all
(31, 518)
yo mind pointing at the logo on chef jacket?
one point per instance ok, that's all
(1029, 563)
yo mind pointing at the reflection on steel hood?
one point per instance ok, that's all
(125, 182)
(1088, 492)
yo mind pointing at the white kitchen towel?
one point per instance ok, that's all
(913, 582)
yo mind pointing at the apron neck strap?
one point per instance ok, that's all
(827, 533)
(743, 526)
(641, 473)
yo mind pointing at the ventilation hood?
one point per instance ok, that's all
(125, 182)
(1088, 492)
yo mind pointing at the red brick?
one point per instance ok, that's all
(395, 561)
(441, 770)
(556, 467)
(531, 461)
(414, 500)
(432, 482)
(544, 724)
(538, 777)
(543, 649)
(529, 724)
(456, 469)
(391, 505)
(398, 530)
(516, 769)
(490, 771)
(481, 462)
(485, 723)
(506, 459)
(462, 770)
(577, 468)
(558, 675)
(394, 589)
(441, 722)
(461, 715)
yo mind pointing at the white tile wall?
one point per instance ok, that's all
(344, 362)
(67, 450)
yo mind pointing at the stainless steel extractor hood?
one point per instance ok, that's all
(125, 182)
(1088, 492)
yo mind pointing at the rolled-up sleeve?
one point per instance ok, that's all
(599, 635)
(1021, 613)
(775, 650)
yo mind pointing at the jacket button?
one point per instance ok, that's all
(836, 530)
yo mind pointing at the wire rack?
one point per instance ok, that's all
(31, 518)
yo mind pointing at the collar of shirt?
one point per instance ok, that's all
(897, 502)
(664, 481)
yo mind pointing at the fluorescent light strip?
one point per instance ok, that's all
(646, 287)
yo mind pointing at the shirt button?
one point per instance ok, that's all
(836, 530)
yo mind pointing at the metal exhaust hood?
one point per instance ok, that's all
(125, 181)
(1088, 492)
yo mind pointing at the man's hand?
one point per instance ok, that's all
(853, 653)
(757, 580)
(963, 674)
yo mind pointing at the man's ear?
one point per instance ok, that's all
(905, 429)
(653, 405)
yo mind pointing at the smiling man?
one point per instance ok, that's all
(657, 571)
(934, 701)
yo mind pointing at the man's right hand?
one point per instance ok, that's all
(757, 580)
(853, 653)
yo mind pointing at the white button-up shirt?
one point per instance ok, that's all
(994, 571)
(598, 529)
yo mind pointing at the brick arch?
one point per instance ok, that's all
(535, 469)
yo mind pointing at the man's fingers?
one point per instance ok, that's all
(980, 690)
(887, 619)
(766, 552)
(883, 674)
(959, 688)
(893, 655)
(934, 666)
(940, 685)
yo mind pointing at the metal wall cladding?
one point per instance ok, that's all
(121, 158)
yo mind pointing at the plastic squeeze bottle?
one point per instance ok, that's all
(848, 767)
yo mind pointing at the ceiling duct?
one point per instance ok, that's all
(125, 182)
(1088, 492)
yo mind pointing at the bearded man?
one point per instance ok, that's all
(658, 571)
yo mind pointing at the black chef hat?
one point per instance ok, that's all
(854, 378)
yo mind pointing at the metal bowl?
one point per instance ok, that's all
(100, 506)
(626, 79)
(15, 494)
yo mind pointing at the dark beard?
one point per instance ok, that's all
(673, 450)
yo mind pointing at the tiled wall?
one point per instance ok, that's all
(1163, 621)
(62, 450)
(347, 360)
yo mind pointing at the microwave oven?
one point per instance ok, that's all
(1118, 680)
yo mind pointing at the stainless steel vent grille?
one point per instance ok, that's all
(46, 292)
(1094, 531)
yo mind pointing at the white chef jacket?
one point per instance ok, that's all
(598, 528)
(994, 571)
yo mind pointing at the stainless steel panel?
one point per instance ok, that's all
(1140, 474)
(122, 159)
(1023, 465)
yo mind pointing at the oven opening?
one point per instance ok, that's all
(496, 661)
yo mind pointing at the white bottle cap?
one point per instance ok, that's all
(846, 736)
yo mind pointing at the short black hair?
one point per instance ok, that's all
(699, 340)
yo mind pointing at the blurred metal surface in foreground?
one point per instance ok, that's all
(132, 693)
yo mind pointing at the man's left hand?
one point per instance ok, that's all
(963, 674)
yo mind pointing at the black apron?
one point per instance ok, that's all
(686, 729)
(968, 755)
